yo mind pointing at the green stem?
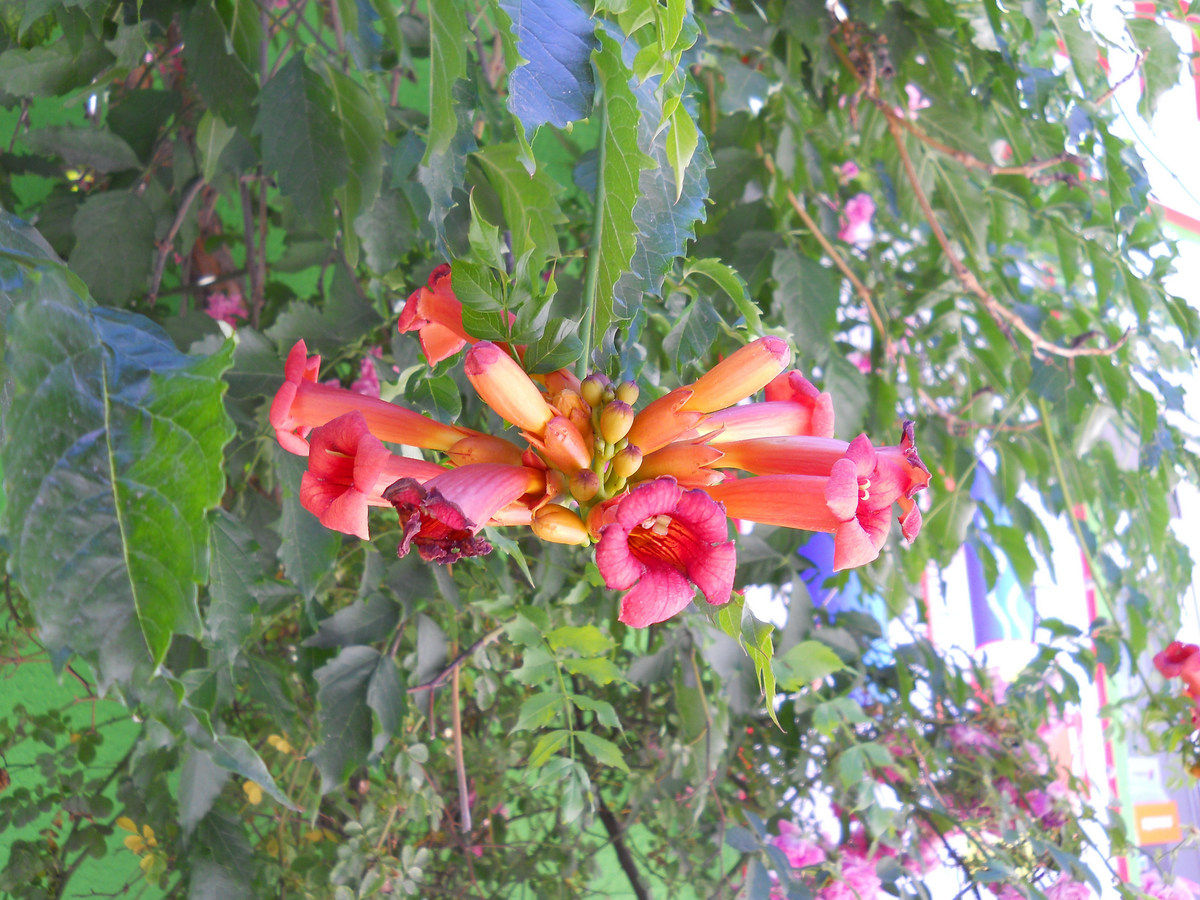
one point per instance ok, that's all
(593, 264)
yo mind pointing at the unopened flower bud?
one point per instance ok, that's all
(609, 394)
(592, 389)
(615, 421)
(559, 525)
(625, 463)
(584, 485)
(627, 392)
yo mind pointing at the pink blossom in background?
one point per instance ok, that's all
(799, 851)
(858, 881)
(1069, 889)
(227, 306)
(367, 382)
(1008, 892)
(849, 169)
(971, 737)
(916, 100)
(1179, 889)
(859, 210)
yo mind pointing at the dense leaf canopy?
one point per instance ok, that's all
(923, 204)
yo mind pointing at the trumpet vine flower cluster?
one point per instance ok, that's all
(651, 489)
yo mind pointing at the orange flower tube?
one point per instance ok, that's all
(301, 404)
(744, 372)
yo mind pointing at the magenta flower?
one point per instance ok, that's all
(820, 484)
(443, 516)
(1179, 889)
(860, 209)
(1068, 889)
(799, 851)
(348, 470)
(367, 382)
(858, 881)
(227, 306)
(663, 541)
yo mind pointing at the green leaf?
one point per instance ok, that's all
(345, 716)
(621, 162)
(691, 337)
(601, 669)
(538, 712)
(726, 278)
(530, 207)
(806, 662)
(806, 293)
(605, 714)
(605, 751)
(52, 70)
(83, 146)
(666, 211)
(221, 860)
(586, 640)
(682, 139)
(302, 140)
(547, 745)
(200, 783)
(557, 348)
(212, 137)
(387, 699)
(222, 79)
(230, 616)
(237, 756)
(114, 233)
(107, 490)
(448, 36)
(554, 83)
(308, 548)
(358, 623)
(361, 119)
(1162, 66)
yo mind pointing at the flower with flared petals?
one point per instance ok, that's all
(1181, 661)
(504, 386)
(800, 851)
(662, 541)
(443, 516)
(348, 470)
(845, 489)
(1172, 661)
(745, 371)
(301, 404)
(794, 387)
(436, 315)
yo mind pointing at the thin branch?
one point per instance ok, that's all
(1005, 317)
(254, 280)
(439, 679)
(1137, 65)
(460, 768)
(960, 426)
(832, 252)
(624, 857)
(973, 162)
(167, 244)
